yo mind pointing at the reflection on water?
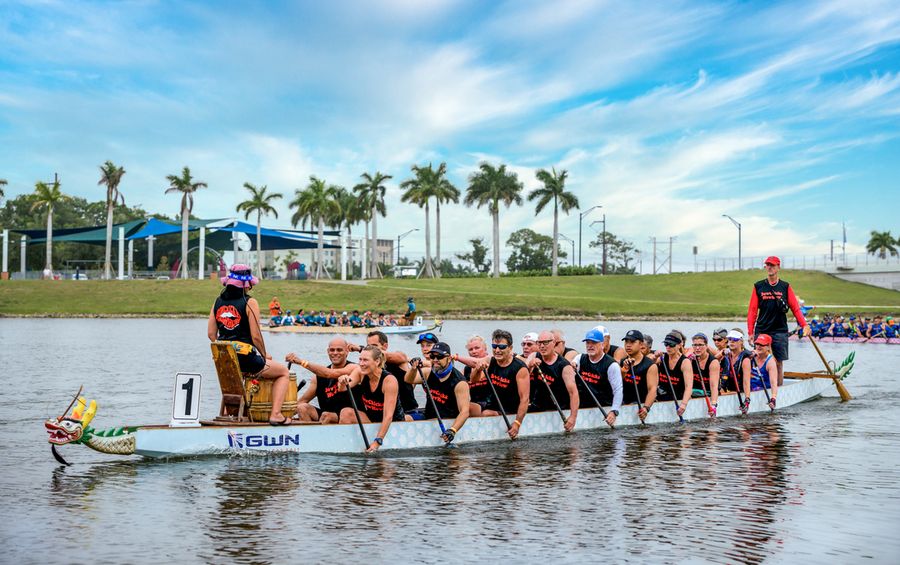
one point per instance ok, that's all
(815, 482)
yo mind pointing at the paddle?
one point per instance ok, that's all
(594, 398)
(765, 390)
(434, 406)
(702, 384)
(675, 398)
(842, 390)
(362, 430)
(637, 391)
(499, 402)
(552, 396)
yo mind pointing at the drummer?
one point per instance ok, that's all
(235, 317)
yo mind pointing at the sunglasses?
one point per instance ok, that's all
(718, 339)
(544, 341)
(735, 339)
(759, 345)
(500, 346)
(429, 337)
(436, 357)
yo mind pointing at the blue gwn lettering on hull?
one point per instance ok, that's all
(241, 441)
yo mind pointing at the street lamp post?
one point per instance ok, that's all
(737, 224)
(580, 218)
(603, 241)
(572, 241)
(401, 236)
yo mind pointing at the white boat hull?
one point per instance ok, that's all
(346, 438)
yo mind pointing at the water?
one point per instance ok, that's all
(814, 483)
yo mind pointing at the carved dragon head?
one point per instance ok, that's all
(72, 429)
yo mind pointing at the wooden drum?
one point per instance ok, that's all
(261, 402)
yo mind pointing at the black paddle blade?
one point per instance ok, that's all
(58, 457)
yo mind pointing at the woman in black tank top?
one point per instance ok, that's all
(235, 317)
(378, 392)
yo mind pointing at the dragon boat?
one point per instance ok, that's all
(389, 330)
(844, 339)
(222, 437)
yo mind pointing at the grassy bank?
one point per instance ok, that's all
(690, 295)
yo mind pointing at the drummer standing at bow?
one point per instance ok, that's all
(767, 314)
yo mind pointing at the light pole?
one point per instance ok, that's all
(581, 216)
(572, 241)
(401, 236)
(603, 241)
(737, 224)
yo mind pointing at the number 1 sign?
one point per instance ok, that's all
(186, 400)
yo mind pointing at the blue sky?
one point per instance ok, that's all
(668, 114)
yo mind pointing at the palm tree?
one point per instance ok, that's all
(317, 202)
(350, 213)
(371, 195)
(259, 202)
(111, 176)
(2, 184)
(443, 191)
(47, 196)
(554, 189)
(187, 187)
(427, 183)
(490, 186)
(881, 243)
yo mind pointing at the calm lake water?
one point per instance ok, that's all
(814, 483)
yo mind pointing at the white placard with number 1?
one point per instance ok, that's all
(186, 400)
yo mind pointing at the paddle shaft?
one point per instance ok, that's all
(497, 397)
(437, 413)
(763, 381)
(637, 391)
(842, 390)
(675, 398)
(362, 430)
(550, 391)
(702, 384)
(737, 381)
(593, 397)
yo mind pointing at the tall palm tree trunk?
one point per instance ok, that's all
(184, 242)
(364, 265)
(320, 251)
(496, 230)
(376, 272)
(427, 267)
(49, 264)
(437, 235)
(107, 264)
(259, 259)
(555, 237)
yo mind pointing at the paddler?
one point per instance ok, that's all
(397, 364)
(324, 384)
(767, 313)
(480, 390)
(235, 317)
(377, 392)
(720, 343)
(708, 368)
(511, 380)
(647, 348)
(449, 390)
(675, 372)
(561, 348)
(641, 370)
(559, 374)
(529, 344)
(613, 351)
(600, 372)
(764, 371)
(738, 363)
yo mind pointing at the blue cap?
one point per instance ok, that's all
(594, 334)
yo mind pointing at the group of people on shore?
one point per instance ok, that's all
(853, 327)
(279, 317)
(497, 379)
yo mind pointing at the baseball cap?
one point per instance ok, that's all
(671, 340)
(720, 333)
(440, 348)
(604, 330)
(633, 335)
(428, 336)
(594, 334)
(530, 336)
(734, 334)
(773, 260)
(763, 339)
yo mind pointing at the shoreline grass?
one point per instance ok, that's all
(682, 295)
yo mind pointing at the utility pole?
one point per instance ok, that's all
(581, 216)
(653, 241)
(737, 224)
(671, 239)
(602, 241)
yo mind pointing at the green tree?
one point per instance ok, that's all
(186, 185)
(48, 196)
(554, 190)
(478, 256)
(620, 253)
(371, 196)
(350, 212)
(111, 176)
(261, 203)
(428, 183)
(317, 202)
(491, 186)
(882, 243)
(2, 184)
(531, 251)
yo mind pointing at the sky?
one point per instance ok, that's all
(786, 116)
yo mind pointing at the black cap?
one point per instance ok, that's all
(440, 348)
(672, 339)
(633, 335)
(721, 333)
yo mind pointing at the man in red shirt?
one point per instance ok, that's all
(767, 314)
